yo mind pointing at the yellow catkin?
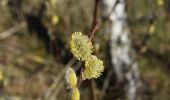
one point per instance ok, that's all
(93, 68)
(80, 46)
(54, 19)
(152, 29)
(71, 78)
(74, 94)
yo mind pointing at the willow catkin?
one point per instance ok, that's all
(93, 68)
(81, 46)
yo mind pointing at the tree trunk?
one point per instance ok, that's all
(121, 52)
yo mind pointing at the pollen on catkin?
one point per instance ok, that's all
(93, 68)
(74, 94)
(80, 46)
(71, 78)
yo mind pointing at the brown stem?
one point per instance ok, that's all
(80, 78)
(95, 25)
(95, 12)
(93, 90)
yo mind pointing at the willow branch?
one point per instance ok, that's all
(95, 24)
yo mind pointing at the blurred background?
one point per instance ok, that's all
(34, 48)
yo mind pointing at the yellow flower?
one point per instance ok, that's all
(93, 68)
(74, 94)
(80, 46)
(71, 78)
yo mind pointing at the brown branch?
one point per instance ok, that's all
(106, 84)
(95, 25)
(95, 12)
(93, 89)
(12, 30)
(94, 29)
(80, 78)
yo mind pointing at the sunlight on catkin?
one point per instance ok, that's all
(80, 46)
(74, 94)
(71, 78)
(93, 68)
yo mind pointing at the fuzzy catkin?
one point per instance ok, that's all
(71, 78)
(74, 94)
(93, 68)
(80, 46)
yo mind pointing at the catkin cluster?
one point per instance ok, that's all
(82, 49)
(71, 81)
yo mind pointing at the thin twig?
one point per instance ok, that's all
(95, 25)
(80, 78)
(12, 30)
(58, 79)
(56, 91)
(95, 12)
(94, 29)
(93, 89)
(106, 84)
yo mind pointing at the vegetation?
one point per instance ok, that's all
(31, 68)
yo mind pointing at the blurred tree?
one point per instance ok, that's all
(121, 52)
